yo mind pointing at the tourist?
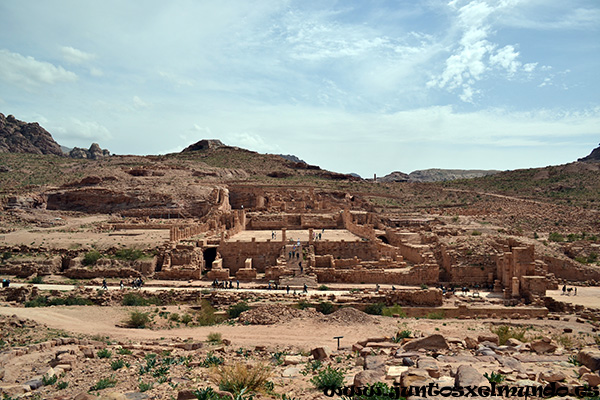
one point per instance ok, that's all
(305, 289)
(564, 289)
(575, 292)
(104, 284)
(237, 282)
(269, 287)
(287, 289)
(121, 285)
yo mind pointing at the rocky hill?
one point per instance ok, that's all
(395, 176)
(593, 156)
(440, 175)
(22, 137)
(93, 153)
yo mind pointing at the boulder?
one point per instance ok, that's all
(488, 337)
(592, 379)
(466, 375)
(589, 357)
(368, 377)
(432, 342)
(321, 353)
(292, 360)
(544, 345)
(415, 377)
(553, 376)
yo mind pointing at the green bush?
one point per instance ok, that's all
(241, 378)
(377, 391)
(494, 377)
(104, 353)
(186, 319)
(145, 386)
(136, 299)
(328, 378)
(393, 310)
(207, 394)
(505, 332)
(124, 351)
(556, 237)
(138, 319)
(37, 280)
(325, 307)
(303, 304)
(211, 360)
(401, 335)
(214, 337)
(91, 257)
(117, 364)
(105, 383)
(235, 310)
(62, 385)
(323, 287)
(174, 317)
(375, 308)
(206, 316)
(49, 380)
(129, 254)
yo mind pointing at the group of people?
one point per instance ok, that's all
(567, 291)
(225, 284)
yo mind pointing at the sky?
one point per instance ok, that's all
(364, 86)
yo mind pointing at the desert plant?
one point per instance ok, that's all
(207, 394)
(401, 335)
(104, 353)
(138, 319)
(494, 377)
(211, 360)
(91, 257)
(328, 378)
(62, 385)
(105, 383)
(374, 308)
(117, 364)
(241, 378)
(325, 307)
(393, 310)
(235, 310)
(174, 317)
(505, 332)
(323, 287)
(556, 237)
(37, 280)
(214, 337)
(312, 367)
(376, 391)
(145, 386)
(123, 351)
(186, 319)
(303, 304)
(49, 380)
(206, 316)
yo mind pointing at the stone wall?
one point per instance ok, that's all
(422, 274)
(571, 270)
(263, 254)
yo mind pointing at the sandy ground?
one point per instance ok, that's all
(334, 235)
(299, 333)
(76, 232)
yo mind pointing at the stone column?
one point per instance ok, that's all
(283, 235)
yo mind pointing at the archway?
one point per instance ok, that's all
(210, 254)
(384, 239)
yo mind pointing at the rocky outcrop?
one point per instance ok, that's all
(93, 153)
(22, 137)
(593, 156)
(438, 175)
(204, 144)
(395, 176)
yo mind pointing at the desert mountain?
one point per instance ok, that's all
(395, 176)
(593, 156)
(22, 137)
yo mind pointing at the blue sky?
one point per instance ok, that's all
(352, 86)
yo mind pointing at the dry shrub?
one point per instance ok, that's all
(239, 376)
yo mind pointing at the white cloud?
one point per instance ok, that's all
(74, 56)
(73, 130)
(27, 72)
(96, 72)
(475, 55)
(139, 103)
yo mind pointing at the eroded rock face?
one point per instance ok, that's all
(22, 137)
(433, 342)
